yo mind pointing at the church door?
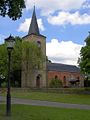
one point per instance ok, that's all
(38, 81)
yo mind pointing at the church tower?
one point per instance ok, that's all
(38, 77)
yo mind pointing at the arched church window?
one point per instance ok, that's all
(56, 77)
(64, 78)
(39, 43)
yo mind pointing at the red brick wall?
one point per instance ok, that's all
(62, 76)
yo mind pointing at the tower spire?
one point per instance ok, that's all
(33, 29)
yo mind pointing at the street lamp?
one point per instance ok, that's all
(10, 44)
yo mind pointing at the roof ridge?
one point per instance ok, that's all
(63, 64)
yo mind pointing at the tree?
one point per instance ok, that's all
(84, 60)
(3, 60)
(55, 83)
(23, 51)
(32, 54)
(16, 63)
(17, 54)
(3, 63)
(12, 8)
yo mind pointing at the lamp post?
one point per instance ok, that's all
(10, 43)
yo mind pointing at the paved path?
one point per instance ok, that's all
(45, 103)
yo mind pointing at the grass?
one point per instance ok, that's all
(57, 97)
(26, 112)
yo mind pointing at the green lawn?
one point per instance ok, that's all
(64, 98)
(57, 97)
(26, 112)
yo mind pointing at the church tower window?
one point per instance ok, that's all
(39, 44)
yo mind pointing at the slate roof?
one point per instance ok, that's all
(62, 67)
(33, 29)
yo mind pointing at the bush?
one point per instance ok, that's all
(86, 83)
(4, 84)
(55, 83)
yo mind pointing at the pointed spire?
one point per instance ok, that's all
(33, 29)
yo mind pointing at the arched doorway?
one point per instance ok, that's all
(38, 80)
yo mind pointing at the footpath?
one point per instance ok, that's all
(44, 103)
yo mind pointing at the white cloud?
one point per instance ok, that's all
(2, 37)
(24, 27)
(50, 6)
(63, 52)
(72, 18)
(40, 24)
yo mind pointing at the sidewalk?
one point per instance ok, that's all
(45, 103)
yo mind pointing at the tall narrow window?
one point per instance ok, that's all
(64, 80)
(56, 77)
(39, 43)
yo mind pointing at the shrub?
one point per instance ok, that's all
(4, 84)
(55, 83)
(86, 83)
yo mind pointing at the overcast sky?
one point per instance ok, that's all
(65, 24)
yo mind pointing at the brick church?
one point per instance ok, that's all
(69, 74)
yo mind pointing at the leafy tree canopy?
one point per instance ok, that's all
(30, 51)
(32, 55)
(3, 60)
(84, 61)
(12, 8)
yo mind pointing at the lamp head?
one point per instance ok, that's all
(10, 42)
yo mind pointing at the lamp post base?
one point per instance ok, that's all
(8, 109)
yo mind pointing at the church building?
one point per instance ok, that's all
(69, 74)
